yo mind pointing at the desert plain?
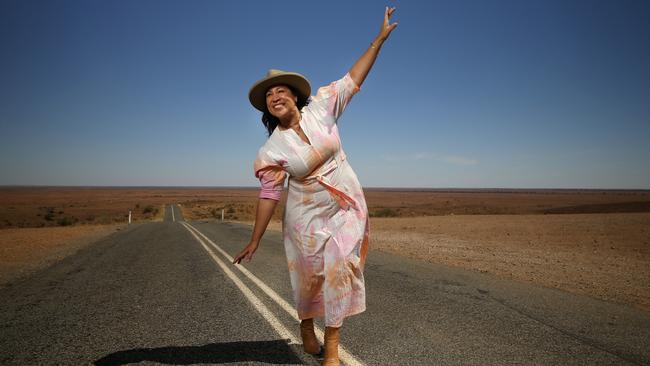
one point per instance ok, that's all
(591, 242)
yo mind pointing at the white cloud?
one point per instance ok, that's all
(448, 159)
(458, 160)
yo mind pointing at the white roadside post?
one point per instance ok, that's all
(222, 210)
(129, 216)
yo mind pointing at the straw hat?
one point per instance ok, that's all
(299, 83)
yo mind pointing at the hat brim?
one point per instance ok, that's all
(257, 94)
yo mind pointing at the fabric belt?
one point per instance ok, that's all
(341, 197)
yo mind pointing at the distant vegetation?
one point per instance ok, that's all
(384, 212)
(66, 221)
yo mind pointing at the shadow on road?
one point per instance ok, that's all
(275, 352)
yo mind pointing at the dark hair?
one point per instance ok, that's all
(271, 122)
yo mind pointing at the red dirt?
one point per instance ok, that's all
(583, 241)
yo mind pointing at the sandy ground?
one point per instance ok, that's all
(605, 256)
(53, 206)
(24, 251)
(240, 204)
(583, 241)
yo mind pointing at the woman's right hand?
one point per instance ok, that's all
(246, 253)
(265, 208)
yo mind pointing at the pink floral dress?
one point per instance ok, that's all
(325, 224)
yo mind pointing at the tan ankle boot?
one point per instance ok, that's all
(309, 341)
(331, 347)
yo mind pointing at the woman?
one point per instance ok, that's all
(325, 223)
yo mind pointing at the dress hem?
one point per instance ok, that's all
(320, 314)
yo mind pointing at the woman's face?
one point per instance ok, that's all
(280, 101)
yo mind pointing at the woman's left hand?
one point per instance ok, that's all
(386, 27)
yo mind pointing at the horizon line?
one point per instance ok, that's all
(364, 187)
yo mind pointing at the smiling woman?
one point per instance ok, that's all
(325, 224)
(270, 120)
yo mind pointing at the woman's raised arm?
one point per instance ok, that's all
(360, 69)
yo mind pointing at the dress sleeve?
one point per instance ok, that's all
(271, 175)
(333, 98)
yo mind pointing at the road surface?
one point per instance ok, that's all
(166, 293)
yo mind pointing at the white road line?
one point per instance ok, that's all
(344, 354)
(267, 290)
(259, 306)
(172, 207)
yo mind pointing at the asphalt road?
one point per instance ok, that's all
(158, 293)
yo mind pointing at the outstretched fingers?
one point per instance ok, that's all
(246, 254)
(389, 11)
(387, 27)
(239, 257)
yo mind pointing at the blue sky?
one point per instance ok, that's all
(510, 94)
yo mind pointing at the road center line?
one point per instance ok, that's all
(172, 207)
(259, 306)
(344, 354)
